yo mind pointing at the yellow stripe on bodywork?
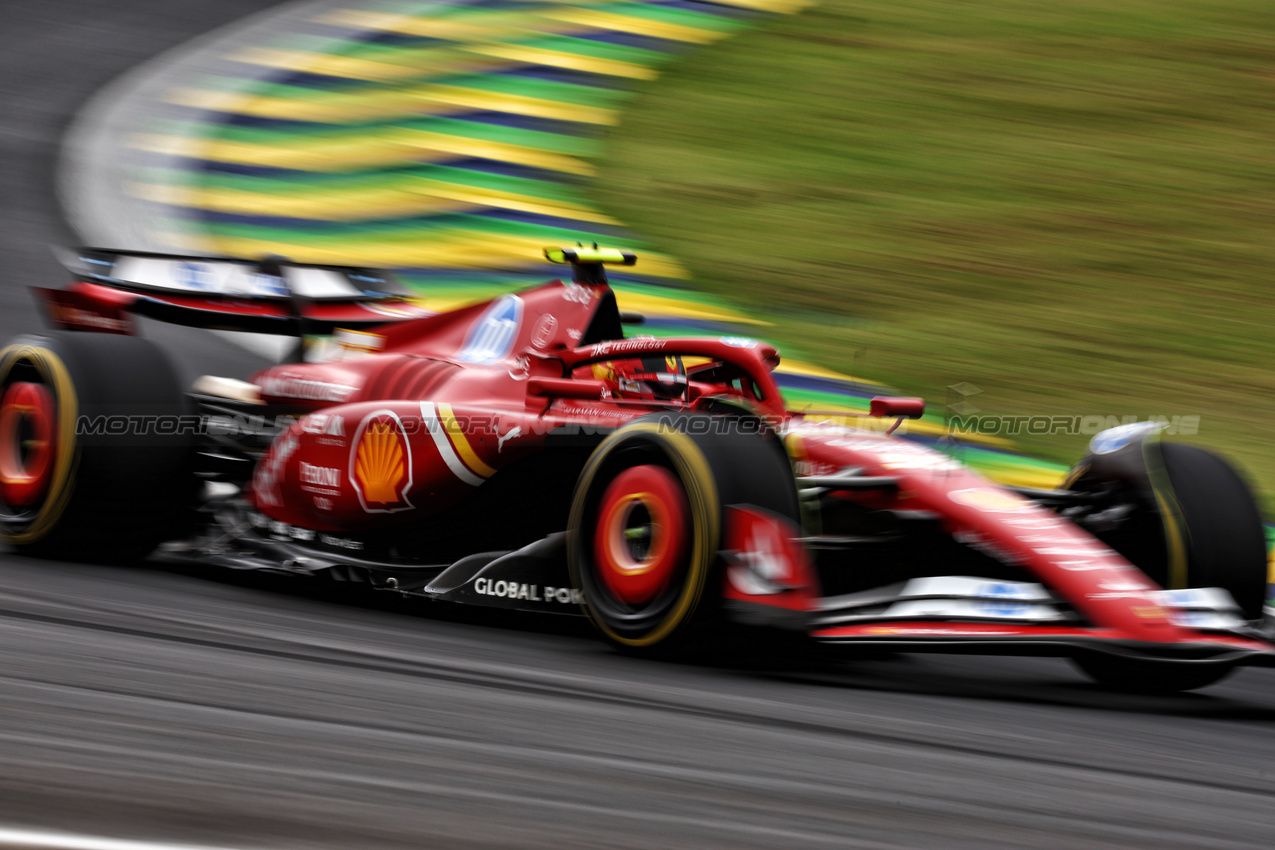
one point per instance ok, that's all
(445, 450)
(461, 442)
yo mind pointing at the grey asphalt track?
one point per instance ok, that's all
(174, 705)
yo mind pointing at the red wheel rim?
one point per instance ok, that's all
(642, 534)
(27, 417)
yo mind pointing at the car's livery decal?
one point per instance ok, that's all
(439, 433)
(461, 442)
(381, 463)
(492, 336)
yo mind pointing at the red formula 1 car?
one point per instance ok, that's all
(524, 454)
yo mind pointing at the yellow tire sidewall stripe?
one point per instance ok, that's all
(1175, 530)
(54, 372)
(701, 490)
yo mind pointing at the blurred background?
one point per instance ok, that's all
(1069, 205)
(1066, 208)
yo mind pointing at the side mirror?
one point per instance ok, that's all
(901, 408)
(898, 407)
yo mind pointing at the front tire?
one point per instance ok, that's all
(647, 516)
(1224, 539)
(1194, 523)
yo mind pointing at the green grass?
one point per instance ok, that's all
(1069, 205)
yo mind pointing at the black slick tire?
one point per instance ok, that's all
(717, 462)
(121, 478)
(1223, 542)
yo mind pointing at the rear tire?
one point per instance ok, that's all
(647, 518)
(118, 478)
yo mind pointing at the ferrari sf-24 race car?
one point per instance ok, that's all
(525, 454)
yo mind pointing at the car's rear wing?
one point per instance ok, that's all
(272, 295)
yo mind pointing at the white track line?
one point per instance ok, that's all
(30, 839)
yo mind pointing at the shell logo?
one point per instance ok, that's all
(987, 499)
(381, 463)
